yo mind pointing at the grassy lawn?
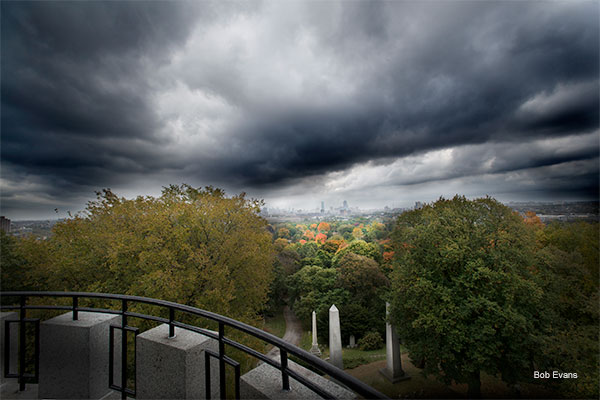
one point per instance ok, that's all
(275, 324)
(306, 341)
(352, 357)
(416, 387)
(420, 387)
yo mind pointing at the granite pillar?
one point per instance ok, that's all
(264, 382)
(74, 356)
(174, 368)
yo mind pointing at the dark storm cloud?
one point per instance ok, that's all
(73, 77)
(429, 76)
(269, 94)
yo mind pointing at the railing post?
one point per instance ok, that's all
(124, 351)
(22, 344)
(207, 374)
(171, 319)
(285, 378)
(222, 381)
(75, 308)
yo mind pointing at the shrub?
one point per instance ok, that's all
(371, 341)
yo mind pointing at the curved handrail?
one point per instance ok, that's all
(339, 375)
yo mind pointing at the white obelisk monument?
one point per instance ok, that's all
(315, 346)
(335, 338)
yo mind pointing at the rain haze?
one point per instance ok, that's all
(377, 103)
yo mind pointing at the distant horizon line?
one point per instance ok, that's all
(365, 209)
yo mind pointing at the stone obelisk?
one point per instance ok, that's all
(393, 370)
(335, 338)
(315, 346)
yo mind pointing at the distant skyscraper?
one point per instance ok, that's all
(5, 224)
(345, 204)
(322, 207)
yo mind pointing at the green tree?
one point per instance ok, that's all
(566, 271)
(463, 298)
(367, 285)
(26, 263)
(191, 246)
(314, 288)
(360, 247)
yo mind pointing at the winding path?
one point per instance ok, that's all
(293, 331)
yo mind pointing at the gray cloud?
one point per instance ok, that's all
(266, 96)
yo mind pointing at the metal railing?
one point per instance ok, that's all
(284, 348)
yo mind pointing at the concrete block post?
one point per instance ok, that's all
(335, 338)
(393, 370)
(74, 356)
(264, 382)
(14, 345)
(173, 368)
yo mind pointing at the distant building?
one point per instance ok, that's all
(418, 205)
(345, 204)
(322, 207)
(5, 224)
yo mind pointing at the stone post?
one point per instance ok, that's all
(173, 368)
(393, 370)
(264, 382)
(335, 338)
(74, 356)
(315, 346)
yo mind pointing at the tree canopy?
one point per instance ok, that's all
(192, 246)
(463, 298)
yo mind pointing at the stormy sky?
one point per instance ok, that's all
(376, 103)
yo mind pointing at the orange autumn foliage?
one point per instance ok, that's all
(321, 238)
(533, 220)
(323, 227)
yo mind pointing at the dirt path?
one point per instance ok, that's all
(293, 331)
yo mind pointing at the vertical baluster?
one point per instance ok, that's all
(171, 326)
(124, 351)
(22, 344)
(221, 360)
(37, 351)
(285, 378)
(75, 308)
(207, 373)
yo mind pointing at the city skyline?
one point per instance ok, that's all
(377, 103)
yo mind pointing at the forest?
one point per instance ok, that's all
(474, 287)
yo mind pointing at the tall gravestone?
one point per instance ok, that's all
(393, 370)
(352, 343)
(335, 338)
(315, 346)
